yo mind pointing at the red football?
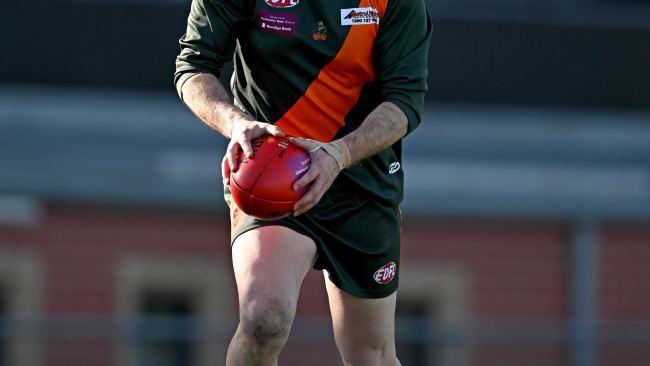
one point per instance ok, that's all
(262, 186)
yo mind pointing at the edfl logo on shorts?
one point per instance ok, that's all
(385, 274)
(282, 3)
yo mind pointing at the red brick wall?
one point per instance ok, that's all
(518, 272)
(625, 291)
(625, 272)
(80, 248)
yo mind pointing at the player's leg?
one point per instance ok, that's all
(364, 329)
(270, 263)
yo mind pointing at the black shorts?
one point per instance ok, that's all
(357, 238)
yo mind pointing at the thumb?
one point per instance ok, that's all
(274, 130)
(305, 144)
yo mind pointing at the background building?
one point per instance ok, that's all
(527, 214)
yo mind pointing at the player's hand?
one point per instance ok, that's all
(240, 140)
(323, 170)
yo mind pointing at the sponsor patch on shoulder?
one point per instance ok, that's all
(359, 16)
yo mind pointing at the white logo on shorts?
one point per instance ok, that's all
(385, 274)
(394, 167)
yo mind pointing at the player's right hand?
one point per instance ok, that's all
(240, 140)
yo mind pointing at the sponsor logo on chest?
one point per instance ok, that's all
(385, 274)
(359, 16)
(284, 24)
(282, 3)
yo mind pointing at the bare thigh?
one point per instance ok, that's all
(364, 329)
(270, 263)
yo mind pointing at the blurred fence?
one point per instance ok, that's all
(171, 340)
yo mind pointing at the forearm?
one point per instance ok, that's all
(384, 126)
(209, 100)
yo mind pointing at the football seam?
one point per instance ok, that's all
(262, 199)
(233, 181)
(257, 197)
(266, 164)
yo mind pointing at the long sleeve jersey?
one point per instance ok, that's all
(317, 68)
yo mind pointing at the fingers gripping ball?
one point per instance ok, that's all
(262, 186)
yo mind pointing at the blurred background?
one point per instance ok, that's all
(526, 238)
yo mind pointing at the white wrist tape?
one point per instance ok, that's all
(336, 149)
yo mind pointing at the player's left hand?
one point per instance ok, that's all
(321, 174)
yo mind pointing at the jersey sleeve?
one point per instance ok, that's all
(401, 48)
(209, 39)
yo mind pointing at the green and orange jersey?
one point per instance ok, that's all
(317, 68)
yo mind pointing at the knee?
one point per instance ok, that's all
(266, 319)
(370, 352)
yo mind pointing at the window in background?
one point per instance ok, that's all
(21, 291)
(415, 346)
(167, 329)
(171, 292)
(432, 302)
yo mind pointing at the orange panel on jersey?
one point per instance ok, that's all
(321, 111)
